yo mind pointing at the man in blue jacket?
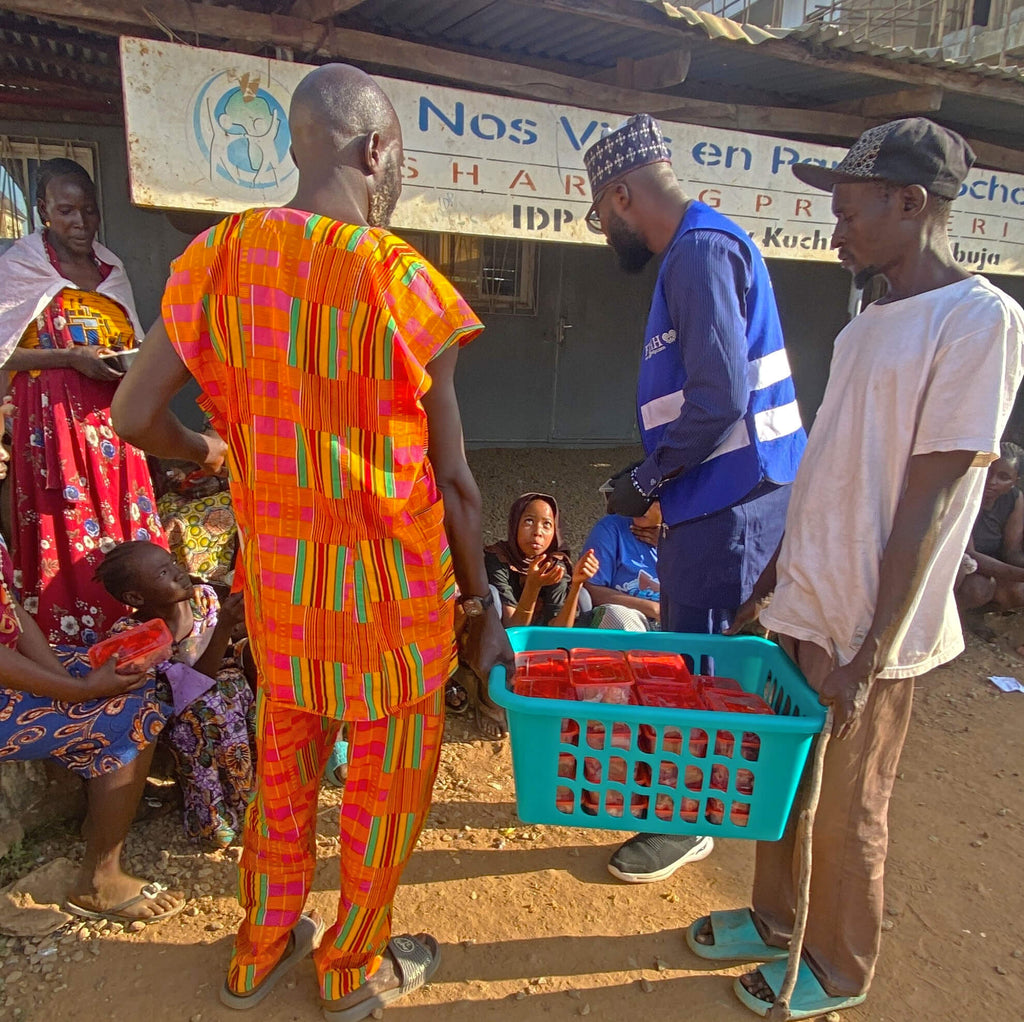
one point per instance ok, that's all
(715, 402)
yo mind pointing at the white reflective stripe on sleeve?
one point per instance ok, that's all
(769, 369)
(736, 440)
(773, 423)
(661, 410)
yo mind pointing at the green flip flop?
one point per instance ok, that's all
(736, 939)
(415, 962)
(809, 999)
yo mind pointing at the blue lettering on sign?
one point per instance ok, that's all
(707, 154)
(579, 141)
(458, 125)
(991, 189)
(524, 125)
(492, 134)
(786, 156)
(487, 127)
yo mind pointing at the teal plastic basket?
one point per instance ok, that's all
(640, 768)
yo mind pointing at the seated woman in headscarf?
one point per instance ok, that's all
(533, 581)
(67, 315)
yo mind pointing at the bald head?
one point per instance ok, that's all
(342, 125)
(337, 103)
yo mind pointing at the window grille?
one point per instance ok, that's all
(495, 275)
(19, 171)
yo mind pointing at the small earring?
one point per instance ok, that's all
(46, 223)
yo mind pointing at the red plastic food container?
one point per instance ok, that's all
(601, 676)
(545, 663)
(673, 695)
(711, 683)
(543, 674)
(736, 702)
(648, 666)
(544, 688)
(141, 647)
(621, 736)
(750, 745)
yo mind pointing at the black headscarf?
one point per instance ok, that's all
(508, 550)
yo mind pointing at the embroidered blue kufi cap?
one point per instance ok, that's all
(637, 143)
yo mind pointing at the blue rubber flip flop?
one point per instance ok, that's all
(809, 999)
(339, 758)
(736, 939)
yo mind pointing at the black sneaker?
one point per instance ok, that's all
(649, 857)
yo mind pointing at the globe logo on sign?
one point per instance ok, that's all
(241, 130)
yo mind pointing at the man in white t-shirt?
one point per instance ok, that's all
(921, 386)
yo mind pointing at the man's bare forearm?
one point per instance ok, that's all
(162, 434)
(915, 532)
(462, 525)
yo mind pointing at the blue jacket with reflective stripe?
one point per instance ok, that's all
(766, 444)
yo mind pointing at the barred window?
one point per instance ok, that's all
(19, 170)
(495, 275)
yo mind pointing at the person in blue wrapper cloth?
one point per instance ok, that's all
(716, 406)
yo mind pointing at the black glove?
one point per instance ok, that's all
(626, 498)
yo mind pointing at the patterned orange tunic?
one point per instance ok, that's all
(311, 340)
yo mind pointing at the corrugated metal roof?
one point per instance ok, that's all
(820, 35)
(729, 62)
(809, 67)
(832, 38)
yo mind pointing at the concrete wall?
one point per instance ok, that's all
(526, 382)
(565, 376)
(535, 381)
(143, 239)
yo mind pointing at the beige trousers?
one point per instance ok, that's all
(850, 839)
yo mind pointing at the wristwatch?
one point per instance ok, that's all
(474, 606)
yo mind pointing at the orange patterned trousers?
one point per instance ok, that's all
(392, 765)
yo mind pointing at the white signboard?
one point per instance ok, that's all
(208, 130)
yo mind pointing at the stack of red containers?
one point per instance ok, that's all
(638, 676)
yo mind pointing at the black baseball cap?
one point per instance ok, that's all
(911, 151)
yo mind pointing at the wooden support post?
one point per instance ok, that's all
(902, 103)
(321, 10)
(661, 71)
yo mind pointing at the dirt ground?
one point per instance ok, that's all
(531, 925)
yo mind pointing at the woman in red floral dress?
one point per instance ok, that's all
(66, 309)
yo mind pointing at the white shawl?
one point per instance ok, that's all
(29, 282)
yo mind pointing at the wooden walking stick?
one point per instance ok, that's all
(779, 1011)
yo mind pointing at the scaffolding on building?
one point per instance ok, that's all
(989, 31)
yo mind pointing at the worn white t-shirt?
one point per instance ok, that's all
(935, 372)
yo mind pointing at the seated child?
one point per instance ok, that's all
(531, 572)
(625, 590)
(533, 581)
(212, 732)
(993, 567)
